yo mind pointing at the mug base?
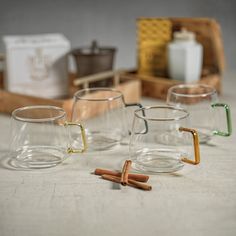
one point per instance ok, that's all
(158, 161)
(203, 137)
(38, 157)
(100, 142)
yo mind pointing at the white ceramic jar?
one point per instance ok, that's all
(185, 57)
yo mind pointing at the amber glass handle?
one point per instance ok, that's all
(83, 136)
(196, 146)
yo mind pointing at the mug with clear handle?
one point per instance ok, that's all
(160, 140)
(40, 137)
(201, 101)
(102, 111)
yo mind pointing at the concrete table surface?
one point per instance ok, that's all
(68, 200)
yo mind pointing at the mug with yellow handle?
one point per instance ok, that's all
(40, 137)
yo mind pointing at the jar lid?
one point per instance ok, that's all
(184, 35)
(94, 50)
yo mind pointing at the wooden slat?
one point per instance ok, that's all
(10, 101)
(157, 87)
(208, 33)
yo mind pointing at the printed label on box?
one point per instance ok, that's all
(37, 65)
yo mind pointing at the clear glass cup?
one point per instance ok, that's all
(102, 111)
(40, 137)
(160, 140)
(201, 101)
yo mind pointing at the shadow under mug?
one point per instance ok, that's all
(102, 111)
(163, 144)
(40, 137)
(201, 101)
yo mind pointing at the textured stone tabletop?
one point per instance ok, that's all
(68, 200)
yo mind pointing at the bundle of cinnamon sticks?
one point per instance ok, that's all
(124, 177)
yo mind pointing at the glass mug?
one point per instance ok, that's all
(40, 137)
(162, 144)
(102, 111)
(201, 101)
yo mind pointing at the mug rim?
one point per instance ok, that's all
(212, 90)
(119, 94)
(36, 120)
(161, 119)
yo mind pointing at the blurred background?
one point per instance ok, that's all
(110, 22)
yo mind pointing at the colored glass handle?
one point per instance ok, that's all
(228, 118)
(83, 136)
(196, 146)
(140, 106)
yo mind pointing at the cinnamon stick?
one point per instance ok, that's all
(137, 177)
(125, 172)
(131, 182)
(137, 184)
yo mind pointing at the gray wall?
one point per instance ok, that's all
(111, 22)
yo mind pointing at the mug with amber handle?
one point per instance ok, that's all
(40, 137)
(201, 101)
(160, 140)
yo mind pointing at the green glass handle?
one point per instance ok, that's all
(228, 118)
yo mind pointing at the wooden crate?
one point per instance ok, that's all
(157, 87)
(208, 33)
(131, 89)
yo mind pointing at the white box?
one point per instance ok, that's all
(37, 65)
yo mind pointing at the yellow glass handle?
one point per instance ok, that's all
(83, 136)
(196, 146)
